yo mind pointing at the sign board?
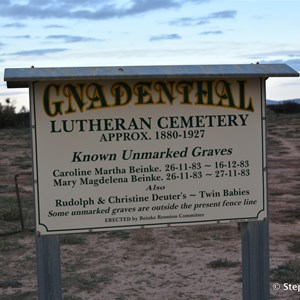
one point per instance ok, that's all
(116, 154)
(130, 147)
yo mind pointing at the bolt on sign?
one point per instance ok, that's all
(131, 147)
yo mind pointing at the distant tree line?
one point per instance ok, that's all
(9, 118)
(286, 107)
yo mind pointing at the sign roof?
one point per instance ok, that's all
(21, 77)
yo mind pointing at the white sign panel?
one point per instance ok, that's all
(137, 153)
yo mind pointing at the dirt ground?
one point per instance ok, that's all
(192, 262)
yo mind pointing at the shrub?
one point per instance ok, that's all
(223, 263)
(286, 107)
(9, 118)
(289, 272)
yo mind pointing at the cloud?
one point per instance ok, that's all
(293, 63)
(188, 21)
(288, 53)
(86, 9)
(225, 14)
(211, 32)
(54, 26)
(70, 38)
(14, 25)
(10, 94)
(198, 1)
(25, 36)
(38, 52)
(173, 36)
(78, 9)
(289, 57)
(141, 6)
(109, 10)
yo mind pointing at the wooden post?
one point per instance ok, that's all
(19, 201)
(48, 267)
(255, 259)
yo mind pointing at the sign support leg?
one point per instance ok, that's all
(48, 267)
(255, 258)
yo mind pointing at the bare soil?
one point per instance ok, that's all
(192, 262)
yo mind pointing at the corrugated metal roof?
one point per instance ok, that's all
(21, 77)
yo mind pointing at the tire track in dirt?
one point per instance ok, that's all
(288, 144)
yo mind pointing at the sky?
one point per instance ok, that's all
(89, 33)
